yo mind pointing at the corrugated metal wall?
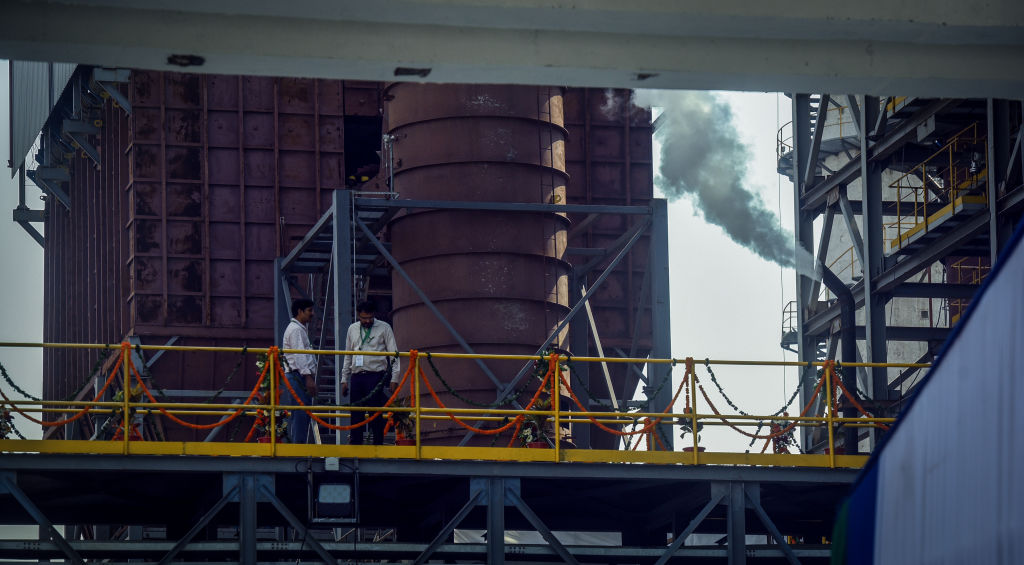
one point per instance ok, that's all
(35, 88)
(84, 282)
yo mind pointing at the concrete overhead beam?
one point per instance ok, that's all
(920, 47)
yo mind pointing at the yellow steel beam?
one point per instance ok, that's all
(427, 452)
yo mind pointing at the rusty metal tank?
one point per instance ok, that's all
(498, 277)
(172, 235)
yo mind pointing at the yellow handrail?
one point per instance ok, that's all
(939, 181)
(129, 407)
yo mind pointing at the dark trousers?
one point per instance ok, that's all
(298, 422)
(366, 392)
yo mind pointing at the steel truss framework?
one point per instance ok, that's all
(885, 140)
(259, 510)
(344, 247)
(69, 128)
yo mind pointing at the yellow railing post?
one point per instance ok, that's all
(829, 415)
(126, 359)
(416, 403)
(272, 358)
(691, 376)
(555, 404)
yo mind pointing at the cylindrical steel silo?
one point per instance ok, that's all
(498, 277)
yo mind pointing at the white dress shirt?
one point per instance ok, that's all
(296, 337)
(379, 337)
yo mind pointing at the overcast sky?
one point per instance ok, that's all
(21, 275)
(726, 301)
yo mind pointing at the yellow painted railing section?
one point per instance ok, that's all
(139, 400)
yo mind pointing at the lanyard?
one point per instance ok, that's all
(366, 335)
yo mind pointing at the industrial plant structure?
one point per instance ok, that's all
(909, 201)
(188, 210)
(191, 186)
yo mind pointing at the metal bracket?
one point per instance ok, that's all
(723, 489)
(25, 214)
(33, 232)
(78, 132)
(233, 486)
(50, 186)
(479, 484)
(106, 79)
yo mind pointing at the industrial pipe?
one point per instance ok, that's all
(848, 346)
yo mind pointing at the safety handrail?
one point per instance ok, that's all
(939, 181)
(263, 401)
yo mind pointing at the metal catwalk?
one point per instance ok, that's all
(262, 510)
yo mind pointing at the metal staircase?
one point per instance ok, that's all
(309, 271)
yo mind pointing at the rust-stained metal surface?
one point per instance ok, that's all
(227, 174)
(175, 233)
(609, 160)
(499, 278)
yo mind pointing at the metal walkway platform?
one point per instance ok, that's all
(211, 508)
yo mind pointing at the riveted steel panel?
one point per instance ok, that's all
(609, 159)
(174, 234)
(498, 278)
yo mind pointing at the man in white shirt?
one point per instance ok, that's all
(301, 369)
(369, 374)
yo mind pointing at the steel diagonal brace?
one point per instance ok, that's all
(33, 232)
(678, 542)
(582, 301)
(299, 527)
(575, 309)
(8, 484)
(228, 497)
(325, 221)
(50, 186)
(851, 227)
(78, 131)
(632, 366)
(630, 237)
(600, 353)
(541, 527)
(107, 79)
(819, 129)
(430, 305)
(438, 540)
(790, 556)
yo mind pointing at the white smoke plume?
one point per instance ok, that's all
(612, 105)
(702, 157)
